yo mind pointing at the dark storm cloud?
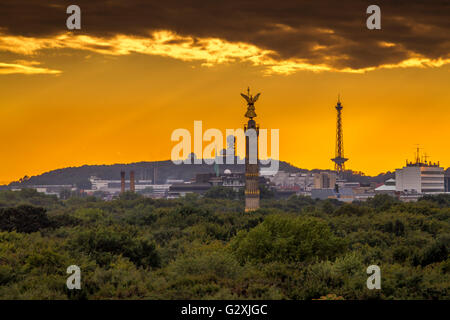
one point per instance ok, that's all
(309, 30)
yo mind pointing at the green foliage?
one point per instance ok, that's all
(209, 248)
(221, 193)
(443, 200)
(128, 195)
(27, 197)
(382, 202)
(104, 243)
(287, 239)
(23, 219)
(265, 192)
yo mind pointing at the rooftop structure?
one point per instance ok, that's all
(388, 187)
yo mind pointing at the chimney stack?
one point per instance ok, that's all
(122, 181)
(132, 188)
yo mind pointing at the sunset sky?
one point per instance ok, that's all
(114, 91)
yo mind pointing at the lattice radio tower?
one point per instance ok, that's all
(339, 159)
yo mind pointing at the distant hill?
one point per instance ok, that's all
(79, 176)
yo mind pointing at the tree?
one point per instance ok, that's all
(65, 194)
(265, 192)
(83, 184)
(219, 192)
(382, 202)
(102, 243)
(24, 218)
(287, 239)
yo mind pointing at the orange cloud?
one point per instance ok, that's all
(209, 51)
(25, 67)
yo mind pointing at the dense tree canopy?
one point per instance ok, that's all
(209, 248)
(23, 218)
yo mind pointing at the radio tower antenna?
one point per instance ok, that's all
(339, 159)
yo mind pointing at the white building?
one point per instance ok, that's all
(388, 187)
(420, 178)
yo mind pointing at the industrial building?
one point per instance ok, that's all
(115, 186)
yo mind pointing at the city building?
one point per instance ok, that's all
(177, 190)
(156, 191)
(205, 181)
(323, 194)
(447, 182)
(324, 180)
(420, 177)
(283, 180)
(49, 189)
(232, 180)
(118, 186)
(346, 194)
(387, 188)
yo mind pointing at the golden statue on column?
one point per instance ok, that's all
(251, 152)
